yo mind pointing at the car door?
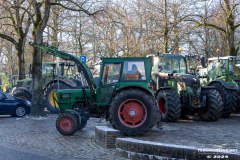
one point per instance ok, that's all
(7, 104)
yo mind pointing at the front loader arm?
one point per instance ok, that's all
(66, 56)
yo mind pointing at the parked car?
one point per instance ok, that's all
(13, 106)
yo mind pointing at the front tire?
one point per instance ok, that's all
(67, 124)
(20, 111)
(169, 105)
(214, 106)
(133, 112)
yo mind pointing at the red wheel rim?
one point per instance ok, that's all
(162, 103)
(132, 113)
(66, 124)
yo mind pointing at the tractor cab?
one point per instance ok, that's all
(120, 73)
(170, 63)
(224, 67)
(173, 71)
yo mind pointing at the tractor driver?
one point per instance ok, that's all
(135, 71)
(167, 66)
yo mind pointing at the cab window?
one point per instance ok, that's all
(183, 66)
(134, 70)
(111, 73)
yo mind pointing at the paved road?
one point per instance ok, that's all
(222, 134)
(39, 138)
(9, 153)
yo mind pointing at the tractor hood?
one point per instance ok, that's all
(188, 79)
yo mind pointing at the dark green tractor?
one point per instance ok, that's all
(224, 74)
(55, 75)
(185, 94)
(122, 94)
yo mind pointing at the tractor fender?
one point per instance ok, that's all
(162, 88)
(67, 82)
(147, 90)
(232, 85)
(20, 88)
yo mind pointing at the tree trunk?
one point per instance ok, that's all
(21, 60)
(175, 30)
(231, 46)
(230, 29)
(165, 34)
(37, 84)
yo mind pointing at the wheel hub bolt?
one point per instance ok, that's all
(132, 113)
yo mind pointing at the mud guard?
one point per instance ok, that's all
(232, 86)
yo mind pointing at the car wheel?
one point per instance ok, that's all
(20, 111)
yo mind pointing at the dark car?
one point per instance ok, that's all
(10, 105)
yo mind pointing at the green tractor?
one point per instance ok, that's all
(184, 95)
(224, 74)
(5, 85)
(122, 94)
(51, 81)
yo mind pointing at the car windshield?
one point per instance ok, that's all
(170, 65)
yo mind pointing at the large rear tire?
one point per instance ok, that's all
(22, 94)
(214, 106)
(133, 112)
(169, 105)
(67, 124)
(50, 94)
(227, 98)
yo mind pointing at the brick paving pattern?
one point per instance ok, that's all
(40, 134)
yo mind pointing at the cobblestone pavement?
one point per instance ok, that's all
(39, 135)
(223, 134)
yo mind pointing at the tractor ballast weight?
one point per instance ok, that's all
(123, 95)
(185, 94)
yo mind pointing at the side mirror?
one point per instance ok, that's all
(203, 62)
